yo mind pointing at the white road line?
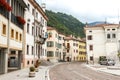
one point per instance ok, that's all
(82, 75)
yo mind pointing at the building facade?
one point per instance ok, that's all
(82, 51)
(35, 33)
(72, 48)
(11, 34)
(102, 40)
(52, 45)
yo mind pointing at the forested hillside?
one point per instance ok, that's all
(64, 23)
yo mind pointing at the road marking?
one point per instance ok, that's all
(82, 75)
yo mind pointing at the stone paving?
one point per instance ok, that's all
(23, 74)
(115, 70)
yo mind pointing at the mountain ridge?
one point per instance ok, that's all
(65, 23)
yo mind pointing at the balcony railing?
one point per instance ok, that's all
(4, 12)
(15, 21)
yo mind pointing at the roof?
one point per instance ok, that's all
(102, 25)
(50, 28)
(37, 6)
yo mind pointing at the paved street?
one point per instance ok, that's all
(78, 71)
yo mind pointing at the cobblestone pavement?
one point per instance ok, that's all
(77, 71)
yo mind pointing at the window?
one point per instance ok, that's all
(90, 37)
(50, 53)
(90, 31)
(20, 37)
(68, 45)
(113, 35)
(37, 15)
(50, 44)
(108, 29)
(16, 36)
(91, 47)
(28, 62)
(32, 62)
(108, 36)
(32, 30)
(12, 33)
(28, 27)
(33, 12)
(27, 49)
(73, 44)
(4, 29)
(67, 50)
(113, 29)
(28, 6)
(32, 50)
(91, 58)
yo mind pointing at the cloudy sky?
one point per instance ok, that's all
(87, 10)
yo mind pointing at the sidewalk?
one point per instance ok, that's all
(115, 70)
(23, 74)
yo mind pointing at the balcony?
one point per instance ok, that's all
(15, 21)
(4, 12)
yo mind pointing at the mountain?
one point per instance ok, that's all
(64, 23)
(95, 23)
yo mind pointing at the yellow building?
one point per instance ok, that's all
(82, 51)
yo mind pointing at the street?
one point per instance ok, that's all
(78, 71)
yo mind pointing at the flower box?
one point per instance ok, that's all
(20, 20)
(5, 5)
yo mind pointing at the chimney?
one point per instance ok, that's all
(43, 5)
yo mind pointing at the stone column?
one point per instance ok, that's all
(4, 61)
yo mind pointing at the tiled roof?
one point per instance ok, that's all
(50, 28)
(102, 25)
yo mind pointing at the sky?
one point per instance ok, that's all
(87, 10)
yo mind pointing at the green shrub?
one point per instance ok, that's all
(32, 69)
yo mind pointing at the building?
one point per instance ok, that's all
(61, 47)
(102, 40)
(82, 51)
(52, 45)
(11, 34)
(71, 44)
(35, 33)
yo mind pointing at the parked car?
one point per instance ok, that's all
(107, 62)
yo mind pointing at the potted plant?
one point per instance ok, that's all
(32, 72)
(37, 64)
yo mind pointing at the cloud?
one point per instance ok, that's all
(86, 10)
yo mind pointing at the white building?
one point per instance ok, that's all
(35, 31)
(52, 45)
(55, 45)
(72, 48)
(11, 34)
(102, 40)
